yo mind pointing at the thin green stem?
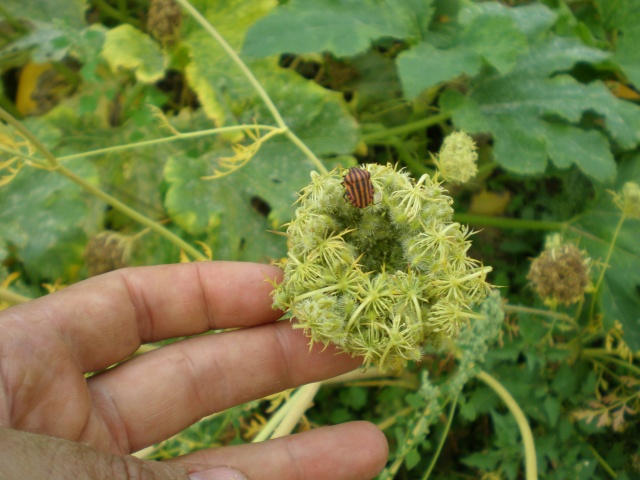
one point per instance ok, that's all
(51, 159)
(501, 222)
(416, 166)
(603, 463)
(55, 165)
(158, 141)
(13, 298)
(605, 356)
(306, 150)
(443, 438)
(204, 23)
(373, 137)
(390, 421)
(531, 467)
(538, 311)
(133, 214)
(606, 262)
(116, 14)
(18, 153)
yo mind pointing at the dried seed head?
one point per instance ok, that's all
(628, 200)
(382, 281)
(560, 275)
(107, 251)
(457, 160)
(164, 20)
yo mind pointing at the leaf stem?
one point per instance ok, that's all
(55, 165)
(538, 311)
(288, 415)
(373, 137)
(390, 421)
(157, 141)
(531, 467)
(51, 159)
(501, 222)
(115, 13)
(606, 262)
(18, 153)
(443, 437)
(13, 298)
(303, 400)
(204, 23)
(603, 355)
(603, 463)
(133, 214)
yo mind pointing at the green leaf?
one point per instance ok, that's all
(342, 28)
(487, 38)
(127, 47)
(354, 397)
(425, 66)
(71, 12)
(552, 408)
(628, 54)
(620, 296)
(44, 217)
(623, 17)
(412, 458)
(533, 117)
(487, 461)
(564, 381)
(532, 20)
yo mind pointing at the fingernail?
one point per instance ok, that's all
(218, 473)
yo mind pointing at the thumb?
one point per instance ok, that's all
(29, 455)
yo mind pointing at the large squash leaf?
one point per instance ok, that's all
(344, 28)
(534, 116)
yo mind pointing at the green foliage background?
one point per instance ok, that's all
(548, 88)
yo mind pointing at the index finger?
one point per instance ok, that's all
(106, 318)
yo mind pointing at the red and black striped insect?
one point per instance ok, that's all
(358, 186)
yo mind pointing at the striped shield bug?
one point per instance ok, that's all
(358, 187)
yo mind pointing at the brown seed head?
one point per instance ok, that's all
(107, 251)
(560, 274)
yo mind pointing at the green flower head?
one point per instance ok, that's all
(383, 280)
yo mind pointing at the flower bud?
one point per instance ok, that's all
(629, 199)
(457, 160)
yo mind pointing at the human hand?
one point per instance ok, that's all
(56, 424)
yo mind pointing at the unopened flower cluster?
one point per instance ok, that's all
(457, 159)
(380, 281)
(628, 200)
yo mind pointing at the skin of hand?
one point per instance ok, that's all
(56, 424)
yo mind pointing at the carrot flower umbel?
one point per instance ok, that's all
(381, 281)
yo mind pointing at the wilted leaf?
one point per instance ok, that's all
(127, 47)
(42, 215)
